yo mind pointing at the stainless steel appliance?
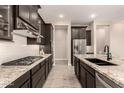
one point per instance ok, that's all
(23, 61)
(104, 82)
(79, 46)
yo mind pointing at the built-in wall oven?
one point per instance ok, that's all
(104, 82)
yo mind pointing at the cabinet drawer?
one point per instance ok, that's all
(35, 69)
(41, 82)
(42, 63)
(26, 84)
(20, 81)
(37, 76)
(88, 68)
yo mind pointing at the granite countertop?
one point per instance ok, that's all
(8, 74)
(114, 73)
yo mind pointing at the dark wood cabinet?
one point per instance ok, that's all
(50, 63)
(83, 77)
(42, 31)
(75, 33)
(38, 75)
(28, 14)
(34, 78)
(6, 22)
(88, 37)
(78, 32)
(33, 18)
(85, 74)
(47, 67)
(90, 80)
(26, 84)
(21, 82)
(48, 30)
(48, 38)
(77, 67)
(24, 12)
(82, 33)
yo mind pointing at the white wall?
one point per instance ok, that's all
(95, 24)
(68, 24)
(102, 37)
(16, 49)
(117, 39)
(61, 42)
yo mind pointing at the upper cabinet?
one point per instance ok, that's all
(6, 24)
(24, 12)
(28, 14)
(88, 37)
(34, 16)
(78, 32)
(48, 33)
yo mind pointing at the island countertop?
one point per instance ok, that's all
(114, 73)
(8, 74)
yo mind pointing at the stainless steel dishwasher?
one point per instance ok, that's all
(104, 82)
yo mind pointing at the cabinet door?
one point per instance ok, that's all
(48, 30)
(42, 32)
(82, 77)
(47, 67)
(90, 80)
(24, 12)
(21, 81)
(82, 33)
(76, 67)
(34, 15)
(26, 84)
(6, 23)
(75, 33)
(88, 37)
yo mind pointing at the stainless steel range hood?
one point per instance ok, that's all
(24, 33)
(27, 32)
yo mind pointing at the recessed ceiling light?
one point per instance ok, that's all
(61, 16)
(1, 16)
(93, 16)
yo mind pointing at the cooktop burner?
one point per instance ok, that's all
(23, 61)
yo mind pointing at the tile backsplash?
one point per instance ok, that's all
(16, 49)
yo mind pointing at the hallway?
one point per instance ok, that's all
(62, 76)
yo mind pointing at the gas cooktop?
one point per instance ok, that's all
(23, 61)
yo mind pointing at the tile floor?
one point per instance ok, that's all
(62, 76)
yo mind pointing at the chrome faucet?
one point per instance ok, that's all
(106, 49)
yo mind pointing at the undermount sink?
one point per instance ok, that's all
(100, 62)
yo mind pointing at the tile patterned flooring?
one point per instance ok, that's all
(62, 76)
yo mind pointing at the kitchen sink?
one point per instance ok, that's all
(100, 62)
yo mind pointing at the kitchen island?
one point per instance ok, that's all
(115, 73)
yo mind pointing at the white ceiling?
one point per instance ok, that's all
(80, 14)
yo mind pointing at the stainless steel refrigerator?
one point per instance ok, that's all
(79, 46)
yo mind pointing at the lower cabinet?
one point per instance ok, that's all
(38, 77)
(77, 67)
(86, 74)
(21, 82)
(90, 80)
(47, 67)
(83, 78)
(26, 84)
(35, 78)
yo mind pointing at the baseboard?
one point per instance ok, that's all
(62, 59)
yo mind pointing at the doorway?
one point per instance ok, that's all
(61, 57)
